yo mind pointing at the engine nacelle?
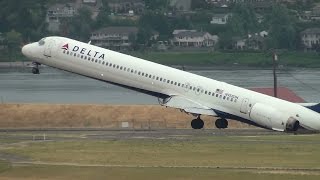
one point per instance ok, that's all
(272, 118)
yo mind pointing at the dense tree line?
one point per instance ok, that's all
(24, 21)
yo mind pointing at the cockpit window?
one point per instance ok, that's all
(41, 42)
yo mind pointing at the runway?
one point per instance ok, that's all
(54, 134)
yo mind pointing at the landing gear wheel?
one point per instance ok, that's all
(197, 123)
(35, 70)
(221, 123)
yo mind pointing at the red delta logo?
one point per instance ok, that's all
(65, 47)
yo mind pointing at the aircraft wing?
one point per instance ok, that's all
(188, 105)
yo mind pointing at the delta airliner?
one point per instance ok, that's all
(174, 88)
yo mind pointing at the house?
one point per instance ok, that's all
(124, 6)
(193, 38)
(180, 5)
(57, 12)
(310, 38)
(220, 18)
(116, 38)
(239, 43)
(251, 42)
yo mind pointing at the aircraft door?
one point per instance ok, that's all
(244, 106)
(48, 48)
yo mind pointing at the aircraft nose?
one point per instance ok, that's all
(25, 50)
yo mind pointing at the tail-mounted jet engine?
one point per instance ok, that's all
(272, 118)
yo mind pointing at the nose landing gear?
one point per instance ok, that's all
(35, 68)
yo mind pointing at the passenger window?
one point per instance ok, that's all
(110, 64)
(217, 95)
(209, 93)
(160, 79)
(153, 77)
(117, 66)
(139, 73)
(120, 67)
(75, 54)
(182, 85)
(146, 75)
(205, 92)
(71, 54)
(99, 61)
(102, 62)
(150, 76)
(224, 97)
(114, 66)
(190, 87)
(81, 56)
(157, 78)
(142, 74)
(124, 68)
(67, 52)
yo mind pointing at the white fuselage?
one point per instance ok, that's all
(110, 66)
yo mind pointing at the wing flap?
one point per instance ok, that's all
(188, 106)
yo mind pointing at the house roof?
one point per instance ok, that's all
(125, 1)
(55, 7)
(118, 30)
(311, 31)
(190, 34)
(220, 15)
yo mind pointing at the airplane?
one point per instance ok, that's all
(191, 93)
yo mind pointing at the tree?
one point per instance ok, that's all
(14, 40)
(157, 22)
(80, 25)
(283, 32)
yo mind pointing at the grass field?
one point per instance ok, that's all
(195, 58)
(254, 59)
(226, 157)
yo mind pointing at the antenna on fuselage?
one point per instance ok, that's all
(89, 42)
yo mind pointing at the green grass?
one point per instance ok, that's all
(79, 173)
(194, 58)
(253, 59)
(168, 159)
(213, 151)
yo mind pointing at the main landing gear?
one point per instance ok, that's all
(221, 123)
(198, 123)
(35, 68)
